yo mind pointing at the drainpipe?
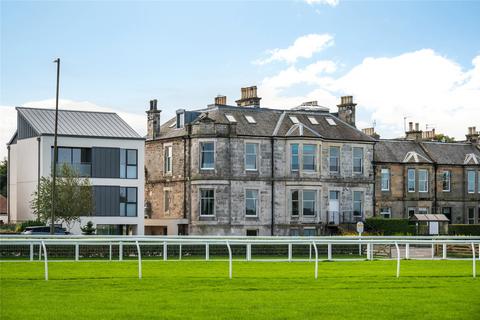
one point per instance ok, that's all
(184, 177)
(38, 169)
(435, 170)
(272, 142)
(374, 199)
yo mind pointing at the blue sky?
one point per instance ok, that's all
(118, 55)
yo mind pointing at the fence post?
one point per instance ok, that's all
(31, 251)
(444, 251)
(310, 253)
(249, 252)
(289, 252)
(398, 259)
(40, 253)
(207, 252)
(329, 251)
(120, 251)
(77, 252)
(139, 260)
(165, 251)
(229, 260)
(110, 251)
(316, 259)
(407, 251)
(474, 271)
(180, 252)
(46, 260)
(433, 251)
(479, 251)
(369, 251)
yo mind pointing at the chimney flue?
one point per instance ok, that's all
(410, 126)
(346, 110)
(417, 126)
(153, 121)
(249, 97)
(220, 100)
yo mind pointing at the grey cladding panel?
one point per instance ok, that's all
(107, 200)
(25, 130)
(105, 162)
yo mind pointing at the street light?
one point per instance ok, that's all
(55, 151)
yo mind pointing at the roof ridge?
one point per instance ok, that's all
(64, 110)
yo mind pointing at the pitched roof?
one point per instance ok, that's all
(77, 123)
(275, 122)
(450, 153)
(397, 151)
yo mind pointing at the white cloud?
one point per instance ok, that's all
(8, 121)
(303, 47)
(332, 3)
(423, 85)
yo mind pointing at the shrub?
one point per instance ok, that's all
(88, 229)
(464, 229)
(29, 223)
(389, 227)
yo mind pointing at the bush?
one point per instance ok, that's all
(464, 229)
(29, 223)
(389, 227)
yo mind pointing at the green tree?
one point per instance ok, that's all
(74, 198)
(443, 138)
(3, 177)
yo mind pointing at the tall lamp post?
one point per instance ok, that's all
(55, 152)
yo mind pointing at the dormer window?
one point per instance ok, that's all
(312, 120)
(250, 119)
(294, 119)
(330, 121)
(180, 120)
(230, 118)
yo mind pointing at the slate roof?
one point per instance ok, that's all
(77, 123)
(275, 122)
(449, 153)
(434, 152)
(396, 150)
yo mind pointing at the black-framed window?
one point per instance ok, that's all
(79, 159)
(207, 202)
(295, 209)
(447, 211)
(128, 163)
(128, 202)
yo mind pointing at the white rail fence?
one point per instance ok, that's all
(14, 246)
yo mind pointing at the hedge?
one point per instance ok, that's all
(389, 227)
(464, 229)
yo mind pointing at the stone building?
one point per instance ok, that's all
(415, 176)
(248, 170)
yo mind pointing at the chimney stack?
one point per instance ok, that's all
(473, 135)
(371, 132)
(413, 134)
(249, 98)
(220, 100)
(346, 110)
(153, 121)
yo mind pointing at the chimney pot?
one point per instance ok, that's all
(220, 100)
(249, 97)
(410, 126)
(417, 127)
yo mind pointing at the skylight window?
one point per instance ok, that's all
(294, 119)
(230, 118)
(313, 120)
(331, 121)
(250, 119)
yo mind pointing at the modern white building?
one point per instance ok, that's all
(99, 146)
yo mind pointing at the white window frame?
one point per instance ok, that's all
(250, 119)
(315, 156)
(362, 203)
(423, 183)
(339, 157)
(168, 161)
(180, 120)
(470, 191)
(409, 180)
(312, 120)
(315, 202)
(330, 121)
(257, 146)
(300, 200)
(361, 160)
(299, 145)
(257, 202)
(388, 212)
(448, 180)
(422, 210)
(200, 143)
(387, 172)
(230, 118)
(294, 119)
(200, 202)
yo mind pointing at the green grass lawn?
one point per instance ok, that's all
(281, 290)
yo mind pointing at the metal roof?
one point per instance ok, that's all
(78, 123)
(429, 217)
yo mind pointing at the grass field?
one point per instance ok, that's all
(195, 289)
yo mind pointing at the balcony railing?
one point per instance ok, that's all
(339, 217)
(83, 169)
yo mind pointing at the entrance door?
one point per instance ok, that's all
(334, 208)
(433, 227)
